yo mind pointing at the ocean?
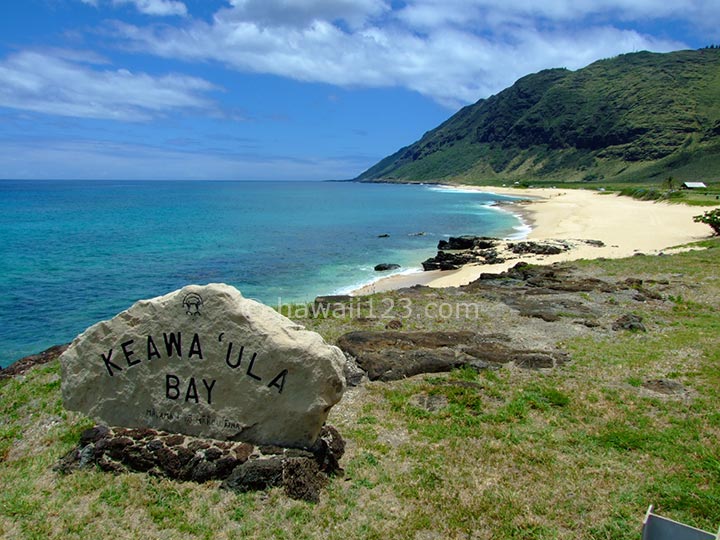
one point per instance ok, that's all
(73, 253)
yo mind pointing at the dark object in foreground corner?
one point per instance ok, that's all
(23, 365)
(242, 467)
(661, 528)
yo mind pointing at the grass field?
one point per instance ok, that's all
(577, 452)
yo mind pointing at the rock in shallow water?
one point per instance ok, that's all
(384, 267)
(205, 361)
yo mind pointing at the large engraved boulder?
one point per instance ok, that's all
(207, 362)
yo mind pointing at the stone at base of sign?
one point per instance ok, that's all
(205, 361)
(242, 467)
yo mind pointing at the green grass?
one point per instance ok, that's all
(577, 452)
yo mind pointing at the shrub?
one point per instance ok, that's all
(712, 218)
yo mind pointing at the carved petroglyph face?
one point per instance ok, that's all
(192, 304)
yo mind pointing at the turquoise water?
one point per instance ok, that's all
(74, 253)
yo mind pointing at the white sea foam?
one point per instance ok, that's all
(522, 230)
(366, 283)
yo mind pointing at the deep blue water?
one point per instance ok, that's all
(74, 253)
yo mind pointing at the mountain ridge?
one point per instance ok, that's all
(631, 118)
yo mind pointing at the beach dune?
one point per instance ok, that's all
(626, 226)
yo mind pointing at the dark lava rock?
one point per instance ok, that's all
(490, 256)
(302, 479)
(23, 365)
(553, 278)
(629, 322)
(383, 267)
(354, 375)
(639, 286)
(448, 261)
(537, 248)
(474, 249)
(466, 242)
(255, 475)
(94, 434)
(328, 449)
(302, 472)
(388, 356)
(595, 243)
(541, 291)
(385, 235)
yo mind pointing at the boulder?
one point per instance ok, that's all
(538, 248)
(466, 242)
(448, 261)
(383, 267)
(205, 361)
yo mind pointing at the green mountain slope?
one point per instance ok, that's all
(631, 118)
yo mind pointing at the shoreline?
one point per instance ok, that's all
(626, 226)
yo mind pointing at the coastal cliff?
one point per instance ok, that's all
(635, 117)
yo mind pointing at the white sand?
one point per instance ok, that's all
(626, 226)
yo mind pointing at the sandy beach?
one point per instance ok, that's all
(626, 226)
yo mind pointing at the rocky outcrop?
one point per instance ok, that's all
(388, 356)
(458, 251)
(543, 291)
(538, 248)
(467, 242)
(553, 278)
(23, 365)
(448, 261)
(241, 466)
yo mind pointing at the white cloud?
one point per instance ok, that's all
(161, 8)
(460, 60)
(435, 13)
(60, 85)
(300, 13)
(156, 7)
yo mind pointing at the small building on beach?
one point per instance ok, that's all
(694, 185)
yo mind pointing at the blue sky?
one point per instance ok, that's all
(282, 89)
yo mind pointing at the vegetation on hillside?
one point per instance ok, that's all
(632, 118)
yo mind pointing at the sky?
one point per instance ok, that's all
(283, 89)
